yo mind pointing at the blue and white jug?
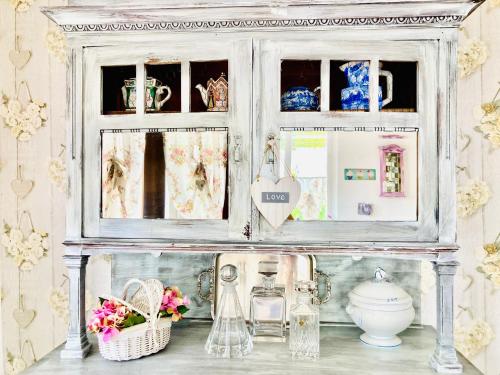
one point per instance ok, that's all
(300, 98)
(357, 95)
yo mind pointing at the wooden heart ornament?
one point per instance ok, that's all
(20, 186)
(275, 201)
(19, 57)
(23, 317)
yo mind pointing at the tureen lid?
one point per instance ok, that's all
(380, 291)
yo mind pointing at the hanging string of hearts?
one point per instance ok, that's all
(23, 117)
(25, 246)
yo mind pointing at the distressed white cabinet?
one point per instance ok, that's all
(98, 124)
(374, 151)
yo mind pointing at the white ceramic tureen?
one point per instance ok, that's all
(381, 309)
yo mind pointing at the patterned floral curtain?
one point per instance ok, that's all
(123, 175)
(196, 165)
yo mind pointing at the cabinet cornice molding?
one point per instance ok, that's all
(221, 16)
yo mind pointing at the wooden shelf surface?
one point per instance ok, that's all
(341, 353)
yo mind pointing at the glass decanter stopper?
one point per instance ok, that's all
(229, 336)
(268, 306)
(304, 323)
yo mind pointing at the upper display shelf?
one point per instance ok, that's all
(208, 88)
(349, 86)
(195, 15)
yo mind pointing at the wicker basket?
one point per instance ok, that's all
(142, 339)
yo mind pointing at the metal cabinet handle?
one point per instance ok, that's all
(207, 274)
(318, 277)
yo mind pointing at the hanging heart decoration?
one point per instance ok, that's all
(275, 201)
(22, 316)
(26, 247)
(20, 186)
(19, 57)
(24, 120)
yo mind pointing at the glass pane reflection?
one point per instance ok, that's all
(172, 174)
(340, 174)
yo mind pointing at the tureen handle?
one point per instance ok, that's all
(380, 274)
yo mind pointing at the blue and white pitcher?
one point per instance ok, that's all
(357, 95)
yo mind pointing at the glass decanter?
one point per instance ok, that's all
(268, 306)
(304, 323)
(229, 336)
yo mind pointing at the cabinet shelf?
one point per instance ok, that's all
(348, 119)
(164, 120)
(341, 349)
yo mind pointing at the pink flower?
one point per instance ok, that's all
(108, 333)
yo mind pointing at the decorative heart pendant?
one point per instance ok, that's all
(21, 187)
(24, 317)
(19, 58)
(275, 201)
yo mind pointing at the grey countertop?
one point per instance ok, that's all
(341, 353)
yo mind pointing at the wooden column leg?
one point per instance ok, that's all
(77, 344)
(444, 360)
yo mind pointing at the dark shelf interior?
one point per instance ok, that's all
(201, 72)
(154, 177)
(169, 75)
(113, 78)
(296, 73)
(404, 86)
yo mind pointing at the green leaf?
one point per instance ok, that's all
(182, 309)
(139, 319)
(133, 320)
(101, 300)
(129, 322)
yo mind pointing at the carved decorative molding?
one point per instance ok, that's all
(453, 20)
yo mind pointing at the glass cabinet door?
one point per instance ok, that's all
(355, 122)
(167, 140)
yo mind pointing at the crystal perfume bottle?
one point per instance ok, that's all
(304, 323)
(229, 336)
(268, 306)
